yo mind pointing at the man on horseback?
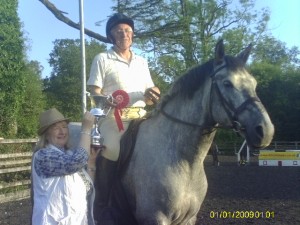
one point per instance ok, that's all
(118, 69)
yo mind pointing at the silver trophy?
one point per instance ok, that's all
(100, 108)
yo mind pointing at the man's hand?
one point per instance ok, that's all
(152, 95)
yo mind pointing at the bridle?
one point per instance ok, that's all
(230, 110)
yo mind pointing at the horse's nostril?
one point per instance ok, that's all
(259, 131)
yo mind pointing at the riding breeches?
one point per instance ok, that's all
(110, 132)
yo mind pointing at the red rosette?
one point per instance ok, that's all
(122, 99)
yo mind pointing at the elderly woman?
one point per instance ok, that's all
(62, 178)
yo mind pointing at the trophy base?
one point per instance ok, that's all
(97, 112)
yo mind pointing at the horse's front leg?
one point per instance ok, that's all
(160, 219)
(192, 221)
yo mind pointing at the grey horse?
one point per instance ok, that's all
(165, 181)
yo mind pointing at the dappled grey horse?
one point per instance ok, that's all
(165, 181)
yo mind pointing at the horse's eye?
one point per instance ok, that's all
(228, 84)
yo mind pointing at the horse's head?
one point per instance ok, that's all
(235, 102)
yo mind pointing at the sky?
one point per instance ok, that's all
(42, 28)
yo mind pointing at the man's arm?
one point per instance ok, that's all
(95, 90)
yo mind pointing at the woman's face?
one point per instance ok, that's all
(58, 134)
(122, 34)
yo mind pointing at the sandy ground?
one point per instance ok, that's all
(239, 195)
(250, 194)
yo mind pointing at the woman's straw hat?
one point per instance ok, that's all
(49, 118)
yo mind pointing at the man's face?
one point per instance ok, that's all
(122, 34)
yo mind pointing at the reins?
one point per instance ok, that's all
(169, 116)
(178, 120)
(230, 110)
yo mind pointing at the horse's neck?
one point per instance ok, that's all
(195, 110)
(205, 143)
(193, 138)
(197, 146)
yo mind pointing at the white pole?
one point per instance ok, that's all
(239, 152)
(83, 66)
(248, 154)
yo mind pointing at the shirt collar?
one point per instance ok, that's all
(113, 55)
(56, 147)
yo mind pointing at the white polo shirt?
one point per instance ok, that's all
(110, 72)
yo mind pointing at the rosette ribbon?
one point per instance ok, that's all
(122, 99)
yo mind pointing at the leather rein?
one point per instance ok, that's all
(230, 110)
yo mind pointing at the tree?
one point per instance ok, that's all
(184, 32)
(178, 34)
(279, 91)
(33, 101)
(277, 70)
(63, 87)
(272, 51)
(60, 16)
(12, 82)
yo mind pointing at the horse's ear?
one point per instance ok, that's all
(219, 52)
(244, 55)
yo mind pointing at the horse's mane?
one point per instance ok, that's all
(188, 83)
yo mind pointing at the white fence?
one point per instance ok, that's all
(12, 164)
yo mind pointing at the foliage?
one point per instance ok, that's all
(11, 66)
(279, 91)
(34, 101)
(177, 34)
(62, 89)
(181, 33)
(274, 52)
(277, 70)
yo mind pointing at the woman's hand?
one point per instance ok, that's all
(91, 166)
(93, 155)
(87, 121)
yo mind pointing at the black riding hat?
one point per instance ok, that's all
(116, 19)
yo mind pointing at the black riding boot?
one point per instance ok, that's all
(104, 178)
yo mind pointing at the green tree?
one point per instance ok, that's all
(12, 63)
(277, 70)
(279, 90)
(274, 52)
(33, 103)
(182, 33)
(178, 34)
(63, 87)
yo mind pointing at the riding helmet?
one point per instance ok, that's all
(116, 19)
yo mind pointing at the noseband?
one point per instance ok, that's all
(230, 110)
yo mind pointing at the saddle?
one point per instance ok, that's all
(119, 201)
(127, 144)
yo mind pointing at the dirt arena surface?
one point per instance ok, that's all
(239, 195)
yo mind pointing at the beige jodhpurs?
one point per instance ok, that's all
(111, 134)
